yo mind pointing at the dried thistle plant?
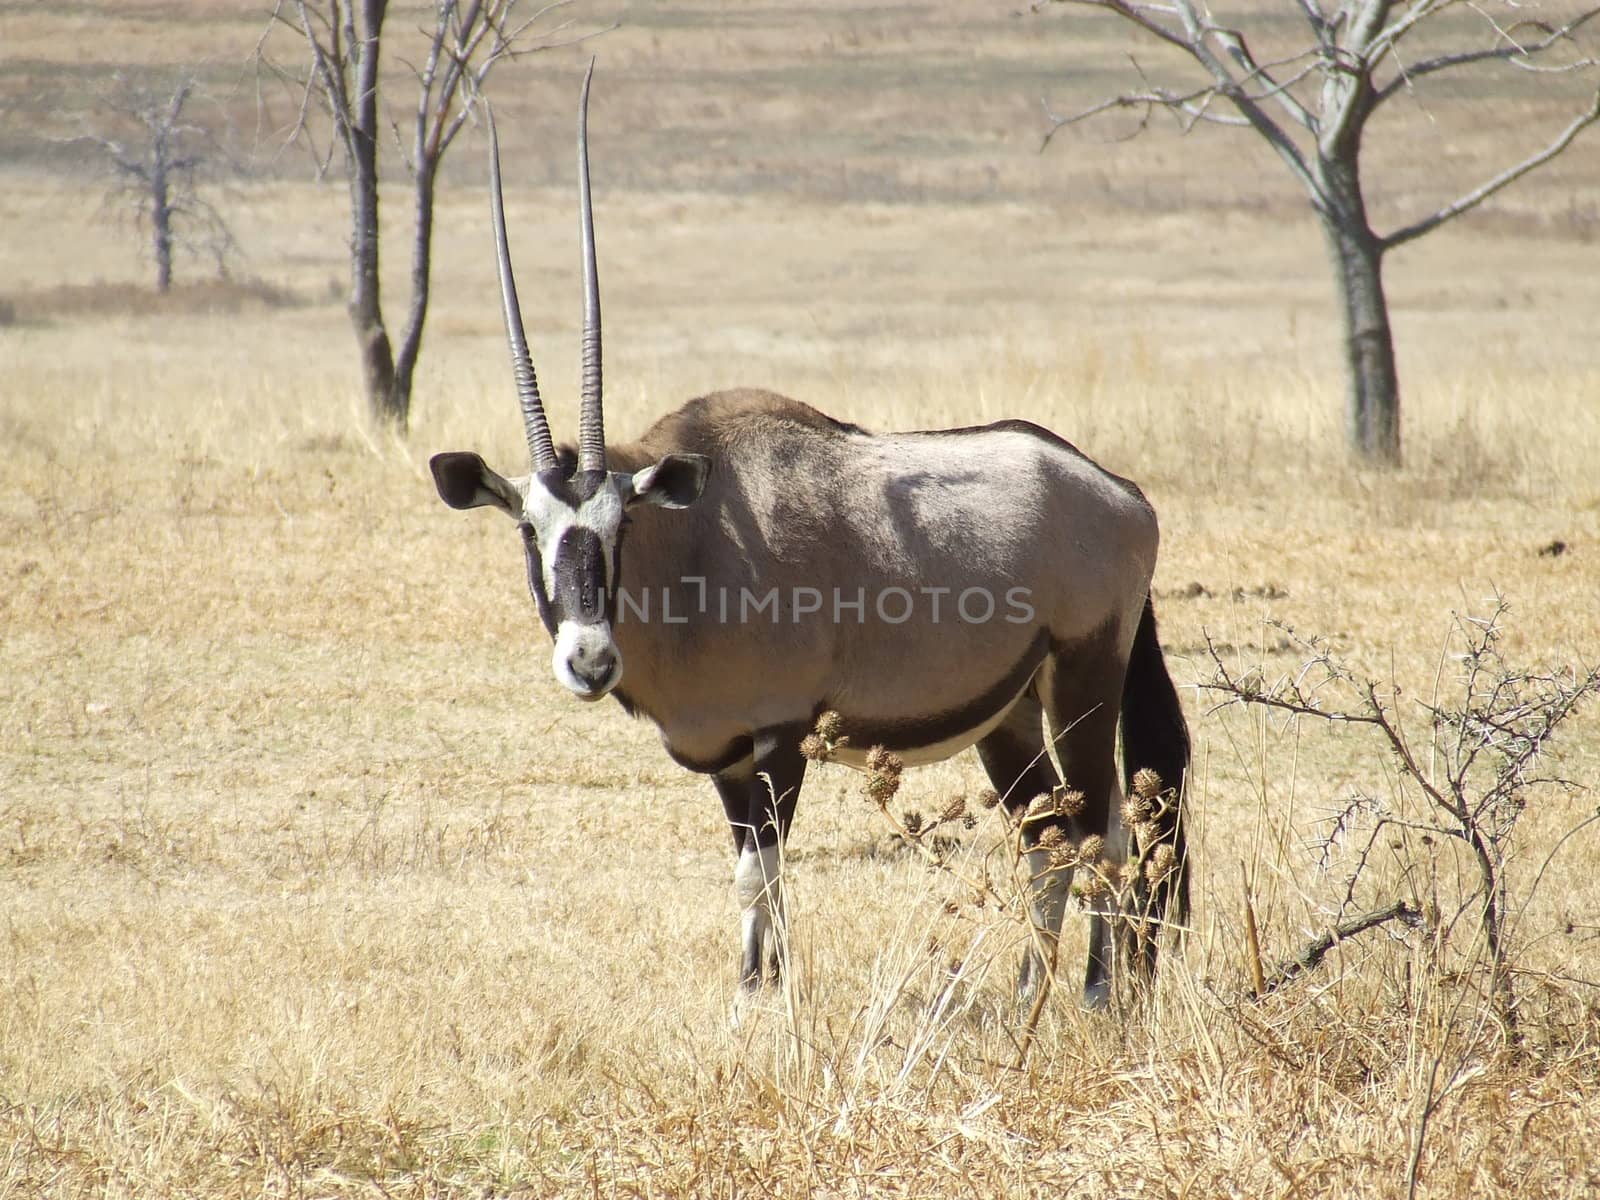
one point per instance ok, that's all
(1058, 804)
(884, 769)
(880, 789)
(1162, 862)
(1091, 885)
(826, 739)
(1137, 811)
(1069, 802)
(1475, 765)
(1041, 808)
(830, 728)
(884, 762)
(1147, 785)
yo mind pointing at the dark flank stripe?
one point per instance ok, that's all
(928, 729)
(731, 755)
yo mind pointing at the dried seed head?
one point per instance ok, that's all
(1052, 837)
(1161, 863)
(1146, 784)
(1126, 875)
(1069, 802)
(954, 810)
(881, 788)
(814, 748)
(1063, 856)
(988, 797)
(829, 726)
(912, 821)
(1040, 808)
(1136, 810)
(1091, 886)
(1148, 834)
(884, 762)
(970, 821)
(1091, 848)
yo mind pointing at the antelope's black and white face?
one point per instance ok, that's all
(571, 526)
(571, 520)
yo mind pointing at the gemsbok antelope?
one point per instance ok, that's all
(750, 563)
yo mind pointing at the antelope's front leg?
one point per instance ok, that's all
(758, 796)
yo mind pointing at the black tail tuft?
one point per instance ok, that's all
(1156, 736)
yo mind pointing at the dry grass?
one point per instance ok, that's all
(314, 884)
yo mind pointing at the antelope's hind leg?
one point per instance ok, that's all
(759, 796)
(1020, 769)
(1082, 692)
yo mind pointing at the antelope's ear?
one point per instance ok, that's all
(465, 481)
(674, 482)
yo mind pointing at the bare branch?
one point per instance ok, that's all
(1384, 41)
(1145, 16)
(1513, 51)
(1193, 105)
(1310, 956)
(1190, 35)
(1509, 176)
(1318, 20)
(329, 68)
(1239, 50)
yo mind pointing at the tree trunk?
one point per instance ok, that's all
(417, 315)
(161, 225)
(1372, 386)
(366, 302)
(366, 309)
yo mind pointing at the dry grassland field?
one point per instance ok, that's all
(313, 882)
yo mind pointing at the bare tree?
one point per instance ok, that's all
(342, 40)
(1312, 104)
(158, 170)
(1476, 762)
(1475, 755)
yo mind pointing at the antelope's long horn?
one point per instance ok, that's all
(591, 420)
(541, 450)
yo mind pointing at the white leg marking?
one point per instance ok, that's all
(757, 884)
